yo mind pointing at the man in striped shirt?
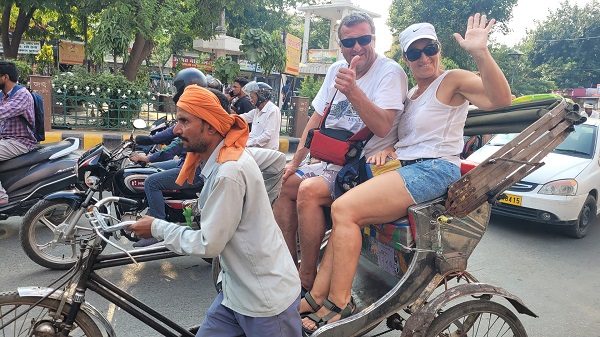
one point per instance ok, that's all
(16, 138)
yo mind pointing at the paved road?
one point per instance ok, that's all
(557, 277)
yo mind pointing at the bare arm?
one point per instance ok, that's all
(491, 91)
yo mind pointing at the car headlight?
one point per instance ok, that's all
(560, 187)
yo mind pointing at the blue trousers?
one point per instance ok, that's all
(164, 180)
(224, 322)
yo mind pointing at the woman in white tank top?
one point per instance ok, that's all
(430, 140)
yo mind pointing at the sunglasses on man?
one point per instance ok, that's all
(429, 50)
(351, 41)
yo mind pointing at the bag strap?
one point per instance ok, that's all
(326, 112)
(13, 91)
(362, 134)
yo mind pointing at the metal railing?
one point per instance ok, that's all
(104, 113)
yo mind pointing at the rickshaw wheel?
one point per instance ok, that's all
(482, 317)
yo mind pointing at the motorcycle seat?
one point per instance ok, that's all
(41, 153)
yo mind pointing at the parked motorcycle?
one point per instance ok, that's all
(53, 228)
(28, 177)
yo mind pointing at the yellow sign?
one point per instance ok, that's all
(70, 52)
(293, 46)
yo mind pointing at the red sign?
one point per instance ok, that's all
(192, 62)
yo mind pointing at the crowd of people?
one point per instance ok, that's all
(265, 292)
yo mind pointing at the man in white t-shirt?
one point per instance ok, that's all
(369, 90)
(265, 119)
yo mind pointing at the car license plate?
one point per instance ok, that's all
(511, 200)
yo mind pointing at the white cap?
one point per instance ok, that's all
(588, 106)
(416, 32)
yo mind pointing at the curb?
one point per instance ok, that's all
(89, 139)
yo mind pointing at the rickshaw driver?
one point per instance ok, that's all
(430, 139)
(261, 287)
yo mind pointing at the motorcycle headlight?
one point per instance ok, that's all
(560, 187)
(91, 181)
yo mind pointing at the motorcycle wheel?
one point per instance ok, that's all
(37, 234)
(485, 318)
(40, 318)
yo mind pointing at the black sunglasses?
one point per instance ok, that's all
(362, 40)
(429, 50)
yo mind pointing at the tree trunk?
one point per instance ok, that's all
(140, 50)
(11, 47)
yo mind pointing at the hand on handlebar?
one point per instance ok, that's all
(139, 157)
(142, 228)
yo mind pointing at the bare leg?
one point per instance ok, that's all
(320, 287)
(286, 215)
(313, 194)
(379, 200)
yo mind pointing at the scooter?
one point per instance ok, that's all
(55, 244)
(29, 177)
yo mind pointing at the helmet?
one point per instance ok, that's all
(214, 83)
(186, 77)
(261, 89)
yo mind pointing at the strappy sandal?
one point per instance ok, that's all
(335, 310)
(313, 305)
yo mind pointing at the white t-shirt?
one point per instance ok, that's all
(265, 126)
(385, 84)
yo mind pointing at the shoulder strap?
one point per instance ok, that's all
(362, 134)
(326, 112)
(14, 90)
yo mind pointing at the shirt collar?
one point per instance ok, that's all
(211, 163)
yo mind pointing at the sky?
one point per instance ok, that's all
(524, 14)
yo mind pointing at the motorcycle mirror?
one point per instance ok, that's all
(139, 123)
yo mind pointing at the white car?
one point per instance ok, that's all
(564, 191)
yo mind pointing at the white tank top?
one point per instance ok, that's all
(429, 128)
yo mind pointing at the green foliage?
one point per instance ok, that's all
(178, 66)
(448, 17)
(225, 69)
(263, 48)
(113, 95)
(564, 47)
(113, 34)
(25, 69)
(45, 60)
(309, 87)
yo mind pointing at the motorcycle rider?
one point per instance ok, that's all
(165, 180)
(265, 119)
(16, 108)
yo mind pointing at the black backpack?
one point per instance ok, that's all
(38, 112)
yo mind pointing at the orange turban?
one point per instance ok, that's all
(202, 103)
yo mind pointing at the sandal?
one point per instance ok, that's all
(334, 311)
(313, 304)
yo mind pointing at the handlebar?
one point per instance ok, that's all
(97, 218)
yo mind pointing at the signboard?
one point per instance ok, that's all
(597, 90)
(322, 55)
(192, 62)
(293, 47)
(26, 47)
(71, 52)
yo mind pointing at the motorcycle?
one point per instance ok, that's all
(28, 177)
(55, 243)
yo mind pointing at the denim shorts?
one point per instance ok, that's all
(429, 179)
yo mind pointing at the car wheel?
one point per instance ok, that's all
(587, 216)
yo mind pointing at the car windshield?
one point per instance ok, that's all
(579, 143)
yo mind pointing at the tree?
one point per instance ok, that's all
(17, 16)
(448, 17)
(225, 69)
(564, 47)
(264, 49)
